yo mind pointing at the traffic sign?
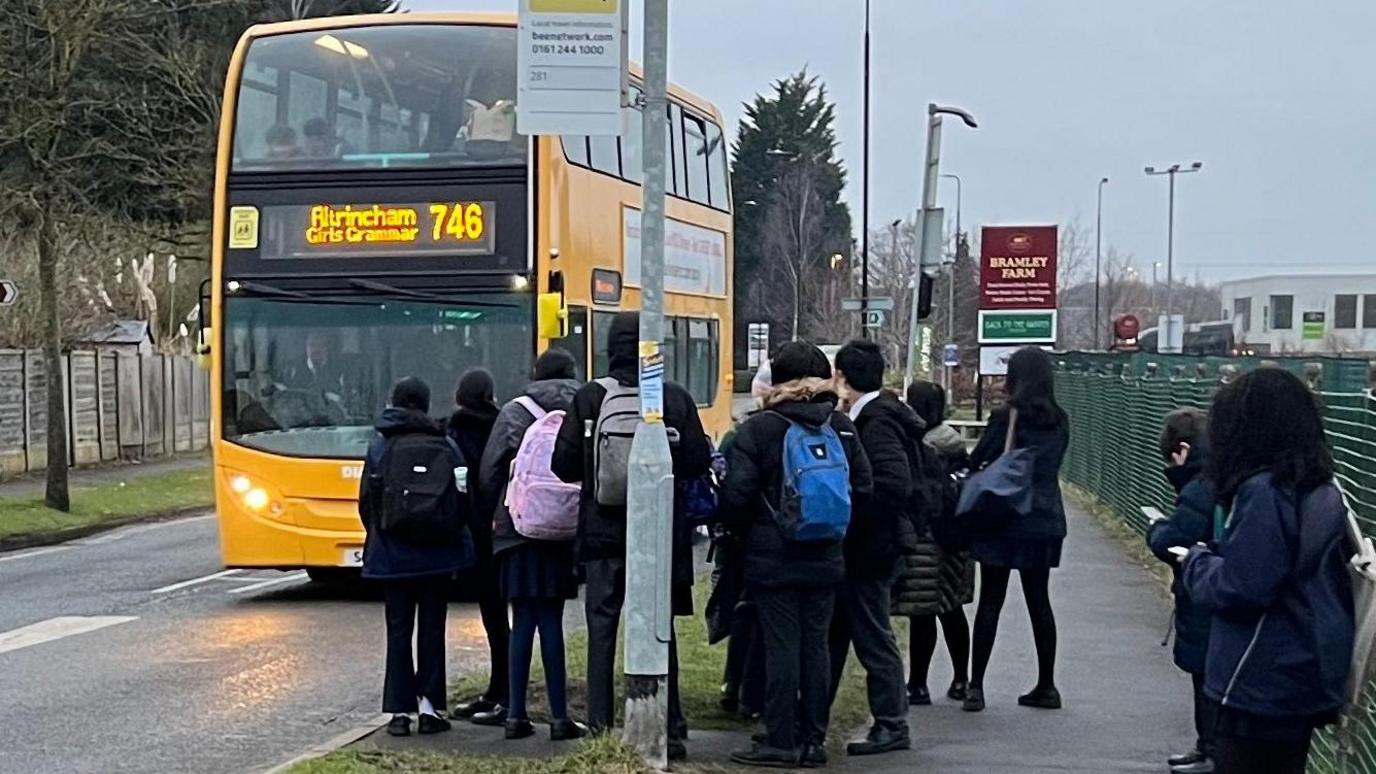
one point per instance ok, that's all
(1017, 326)
(9, 292)
(876, 304)
(950, 355)
(874, 319)
(572, 68)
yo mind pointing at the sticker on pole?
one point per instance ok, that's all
(571, 66)
(9, 292)
(651, 382)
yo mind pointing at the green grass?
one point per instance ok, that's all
(700, 673)
(115, 502)
(598, 755)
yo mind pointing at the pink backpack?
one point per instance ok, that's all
(542, 507)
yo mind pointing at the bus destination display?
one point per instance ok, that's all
(379, 229)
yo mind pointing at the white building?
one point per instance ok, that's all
(1328, 313)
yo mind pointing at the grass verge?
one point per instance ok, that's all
(106, 504)
(700, 673)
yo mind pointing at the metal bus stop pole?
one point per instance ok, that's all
(650, 484)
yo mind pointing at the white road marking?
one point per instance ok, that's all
(296, 576)
(195, 581)
(56, 629)
(34, 552)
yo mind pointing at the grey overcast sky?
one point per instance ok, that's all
(1276, 97)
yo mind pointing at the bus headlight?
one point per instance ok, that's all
(252, 495)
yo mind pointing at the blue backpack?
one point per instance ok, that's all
(814, 496)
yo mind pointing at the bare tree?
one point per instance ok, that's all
(793, 234)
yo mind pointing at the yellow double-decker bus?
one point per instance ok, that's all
(377, 215)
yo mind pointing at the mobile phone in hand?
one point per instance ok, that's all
(1179, 552)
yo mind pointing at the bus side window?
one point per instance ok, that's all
(675, 156)
(605, 155)
(695, 159)
(632, 141)
(718, 179)
(575, 149)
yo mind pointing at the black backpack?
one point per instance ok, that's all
(935, 495)
(419, 500)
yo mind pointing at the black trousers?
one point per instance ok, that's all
(415, 606)
(794, 626)
(1236, 755)
(603, 598)
(1205, 717)
(492, 608)
(745, 658)
(862, 619)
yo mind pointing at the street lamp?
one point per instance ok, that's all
(1171, 171)
(865, 190)
(931, 173)
(951, 282)
(1098, 244)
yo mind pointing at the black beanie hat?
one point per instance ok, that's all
(799, 360)
(475, 389)
(555, 363)
(411, 393)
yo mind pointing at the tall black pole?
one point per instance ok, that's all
(865, 191)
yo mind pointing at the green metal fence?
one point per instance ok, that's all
(1117, 405)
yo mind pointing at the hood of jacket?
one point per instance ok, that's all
(398, 421)
(946, 440)
(623, 348)
(553, 394)
(888, 406)
(809, 401)
(477, 419)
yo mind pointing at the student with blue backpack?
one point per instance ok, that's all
(534, 523)
(794, 470)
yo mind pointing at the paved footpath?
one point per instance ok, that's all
(31, 485)
(1127, 706)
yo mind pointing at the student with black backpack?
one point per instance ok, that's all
(794, 471)
(593, 448)
(414, 517)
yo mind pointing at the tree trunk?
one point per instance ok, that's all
(56, 495)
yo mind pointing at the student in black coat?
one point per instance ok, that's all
(535, 576)
(792, 584)
(889, 432)
(469, 428)
(1183, 447)
(602, 529)
(1030, 545)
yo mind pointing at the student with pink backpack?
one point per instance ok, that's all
(534, 524)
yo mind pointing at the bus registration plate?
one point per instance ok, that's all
(351, 556)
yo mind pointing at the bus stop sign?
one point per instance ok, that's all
(9, 292)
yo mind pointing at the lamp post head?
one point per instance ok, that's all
(1197, 166)
(1151, 170)
(964, 115)
(1103, 181)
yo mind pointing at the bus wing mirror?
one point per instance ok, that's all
(554, 316)
(203, 332)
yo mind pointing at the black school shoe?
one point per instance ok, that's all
(400, 725)
(880, 740)
(974, 700)
(919, 696)
(469, 709)
(495, 717)
(1185, 759)
(564, 730)
(764, 756)
(814, 756)
(519, 728)
(1205, 766)
(957, 690)
(1041, 698)
(434, 724)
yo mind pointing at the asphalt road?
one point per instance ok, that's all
(131, 652)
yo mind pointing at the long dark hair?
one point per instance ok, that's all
(1031, 388)
(928, 399)
(1267, 421)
